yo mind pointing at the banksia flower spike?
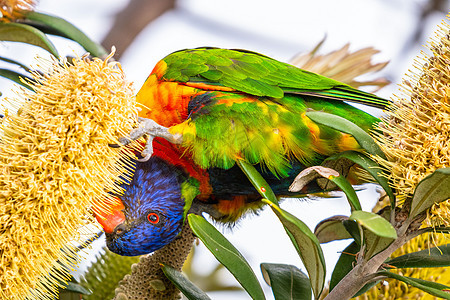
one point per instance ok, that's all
(416, 131)
(415, 137)
(56, 168)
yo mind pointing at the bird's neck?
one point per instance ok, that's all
(177, 156)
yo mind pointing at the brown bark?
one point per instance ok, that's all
(132, 20)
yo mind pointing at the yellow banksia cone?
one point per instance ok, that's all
(56, 168)
(415, 137)
(415, 134)
(12, 10)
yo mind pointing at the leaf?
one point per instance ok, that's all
(353, 229)
(344, 264)
(16, 77)
(348, 190)
(332, 229)
(75, 287)
(14, 32)
(432, 288)
(344, 125)
(374, 223)
(226, 254)
(441, 229)
(257, 181)
(68, 30)
(432, 189)
(311, 173)
(190, 290)
(428, 258)
(287, 282)
(370, 166)
(307, 246)
(375, 243)
(366, 287)
(12, 61)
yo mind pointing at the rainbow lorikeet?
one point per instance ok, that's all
(214, 107)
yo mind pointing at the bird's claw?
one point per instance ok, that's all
(151, 129)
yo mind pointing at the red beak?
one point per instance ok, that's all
(110, 221)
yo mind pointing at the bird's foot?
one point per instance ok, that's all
(151, 129)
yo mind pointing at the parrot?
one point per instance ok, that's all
(203, 110)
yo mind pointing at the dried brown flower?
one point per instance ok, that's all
(343, 65)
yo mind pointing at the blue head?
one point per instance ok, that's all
(152, 211)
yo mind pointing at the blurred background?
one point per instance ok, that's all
(144, 31)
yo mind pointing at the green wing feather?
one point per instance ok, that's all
(263, 122)
(258, 75)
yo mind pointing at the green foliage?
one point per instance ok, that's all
(287, 281)
(344, 125)
(307, 246)
(432, 288)
(258, 181)
(428, 258)
(227, 254)
(432, 189)
(372, 233)
(35, 29)
(374, 223)
(13, 32)
(57, 26)
(190, 290)
(105, 273)
(370, 166)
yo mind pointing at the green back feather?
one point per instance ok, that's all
(262, 122)
(258, 75)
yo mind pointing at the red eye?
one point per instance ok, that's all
(153, 218)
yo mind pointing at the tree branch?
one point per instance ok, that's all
(132, 20)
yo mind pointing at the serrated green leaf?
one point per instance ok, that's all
(428, 258)
(432, 189)
(344, 264)
(432, 288)
(257, 181)
(287, 282)
(14, 32)
(16, 77)
(370, 166)
(374, 223)
(332, 229)
(344, 125)
(68, 30)
(226, 254)
(307, 246)
(190, 290)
